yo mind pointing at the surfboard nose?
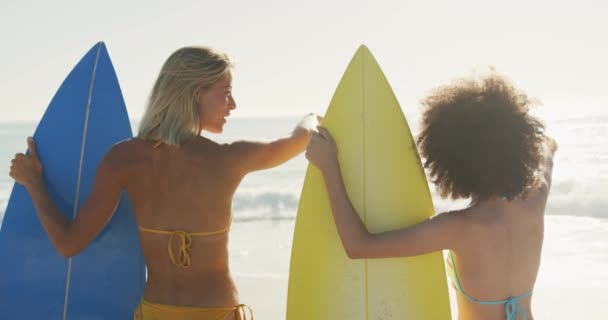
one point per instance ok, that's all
(84, 119)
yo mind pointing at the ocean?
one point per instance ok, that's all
(265, 205)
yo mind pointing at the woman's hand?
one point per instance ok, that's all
(26, 169)
(552, 144)
(309, 122)
(322, 151)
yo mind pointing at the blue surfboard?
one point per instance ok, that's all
(85, 118)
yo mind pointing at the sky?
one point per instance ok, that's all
(290, 55)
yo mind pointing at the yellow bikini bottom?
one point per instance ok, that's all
(154, 311)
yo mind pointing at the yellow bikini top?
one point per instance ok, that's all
(185, 243)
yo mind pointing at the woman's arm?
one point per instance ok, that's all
(549, 149)
(437, 233)
(254, 156)
(70, 237)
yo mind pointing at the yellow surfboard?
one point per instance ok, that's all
(386, 183)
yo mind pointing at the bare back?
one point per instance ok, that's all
(187, 188)
(499, 256)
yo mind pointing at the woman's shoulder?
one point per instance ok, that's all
(127, 146)
(460, 214)
(461, 219)
(124, 153)
(467, 219)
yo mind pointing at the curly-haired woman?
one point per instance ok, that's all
(479, 142)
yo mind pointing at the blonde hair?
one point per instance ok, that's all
(172, 113)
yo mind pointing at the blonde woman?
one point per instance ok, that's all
(181, 186)
(479, 142)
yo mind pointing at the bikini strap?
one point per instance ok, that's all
(184, 243)
(240, 312)
(512, 305)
